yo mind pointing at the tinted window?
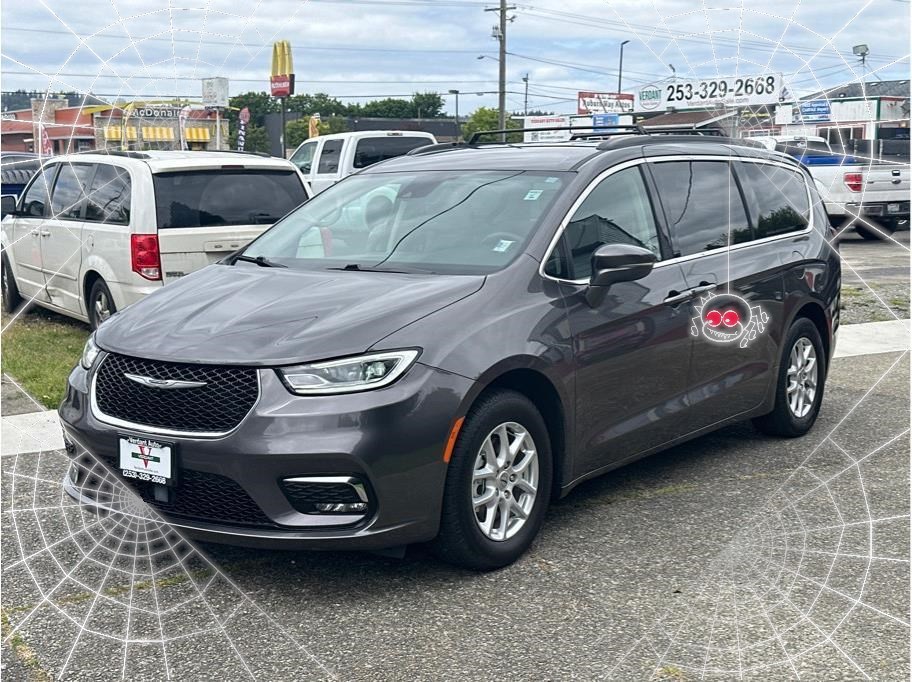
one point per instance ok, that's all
(617, 211)
(225, 197)
(70, 190)
(37, 198)
(375, 149)
(109, 199)
(329, 156)
(304, 156)
(702, 203)
(777, 198)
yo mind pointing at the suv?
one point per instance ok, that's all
(93, 233)
(326, 159)
(440, 345)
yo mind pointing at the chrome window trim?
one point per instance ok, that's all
(679, 259)
(153, 430)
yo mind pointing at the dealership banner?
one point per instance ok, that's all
(812, 111)
(604, 103)
(243, 119)
(740, 91)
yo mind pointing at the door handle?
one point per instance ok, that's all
(34, 232)
(703, 288)
(674, 297)
(45, 233)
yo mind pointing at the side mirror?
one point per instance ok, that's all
(7, 205)
(612, 263)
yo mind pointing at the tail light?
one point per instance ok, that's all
(852, 181)
(144, 255)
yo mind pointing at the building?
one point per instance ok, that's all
(132, 126)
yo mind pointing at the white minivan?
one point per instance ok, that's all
(326, 159)
(93, 233)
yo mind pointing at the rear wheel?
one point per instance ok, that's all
(799, 391)
(498, 484)
(11, 297)
(100, 304)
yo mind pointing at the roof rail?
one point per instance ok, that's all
(234, 151)
(125, 154)
(620, 130)
(434, 148)
(687, 130)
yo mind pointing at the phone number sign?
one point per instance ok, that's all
(739, 91)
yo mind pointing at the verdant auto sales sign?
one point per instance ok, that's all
(736, 91)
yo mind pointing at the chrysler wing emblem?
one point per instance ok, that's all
(163, 383)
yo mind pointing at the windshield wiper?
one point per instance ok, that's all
(355, 267)
(262, 261)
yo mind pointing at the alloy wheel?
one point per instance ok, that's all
(102, 307)
(504, 481)
(802, 377)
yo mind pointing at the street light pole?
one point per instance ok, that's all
(621, 65)
(458, 131)
(500, 33)
(526, 96)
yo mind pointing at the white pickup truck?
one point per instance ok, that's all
(851, 188)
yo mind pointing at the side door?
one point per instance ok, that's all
(62, 236)
(738, 281)
(25, 234)
(328, 165)
(632, 349)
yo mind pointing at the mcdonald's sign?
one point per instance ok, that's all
(281, 78)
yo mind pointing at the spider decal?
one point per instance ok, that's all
(726, 318)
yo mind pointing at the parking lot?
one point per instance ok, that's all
(734, 556)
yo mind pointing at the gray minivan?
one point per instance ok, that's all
(438, 346)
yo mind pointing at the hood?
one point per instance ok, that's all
(249, 315)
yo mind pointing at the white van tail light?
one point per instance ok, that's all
(144, 255)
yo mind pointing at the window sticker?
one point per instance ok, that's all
(533, 194)
(726, 318)
(503, 245)
(551, 180)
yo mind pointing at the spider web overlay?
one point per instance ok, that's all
(117, 594)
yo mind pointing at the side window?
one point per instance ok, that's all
(70, 190)
(109, 197)
(617, 211)
(777, 198)
(703, 205)
(37, 199)
(303, 158)
(329, 157)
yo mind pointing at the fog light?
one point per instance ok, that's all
(74, 473)
(350, 508)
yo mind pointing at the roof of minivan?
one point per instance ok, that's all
(159, 160)
(564, 156)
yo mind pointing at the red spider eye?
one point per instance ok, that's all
(713, 318)
(731, 318)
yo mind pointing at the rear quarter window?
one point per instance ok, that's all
(776, 197)
(212, 198)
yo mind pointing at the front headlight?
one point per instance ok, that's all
(359, 373)
(89, 353)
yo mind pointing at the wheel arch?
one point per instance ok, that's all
(813, 311)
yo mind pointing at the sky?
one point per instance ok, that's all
(362, 49)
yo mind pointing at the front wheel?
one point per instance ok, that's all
(498, 484)
(799, 391)
(11, 297)
(100, 304)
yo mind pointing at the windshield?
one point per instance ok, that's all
(452, 222)
(212, 198)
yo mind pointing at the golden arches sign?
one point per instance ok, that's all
(281, 77)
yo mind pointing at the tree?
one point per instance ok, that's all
(256, 140)
(486, 118)
(387, 108)
(319, 103)
(259, 104)
(427, 105)
(299, 130)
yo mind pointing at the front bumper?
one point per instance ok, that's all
(392, 439)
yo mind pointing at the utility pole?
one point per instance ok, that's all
(621, 66)
(526, 95)
(500, 33)
(458, 131)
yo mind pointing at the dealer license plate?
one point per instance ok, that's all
(146, 459)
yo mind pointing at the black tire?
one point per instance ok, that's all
(99, 300)
(782, 421)
(11, 297)
(887, 226)
(461, 540)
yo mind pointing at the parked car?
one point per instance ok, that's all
(519, 318)
(16, 169)
(326, 159)
(852, 187)
(94, 233)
